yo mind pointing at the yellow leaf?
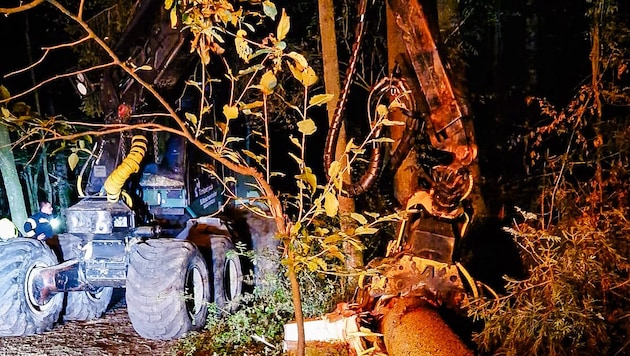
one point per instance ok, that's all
(359, 218)
(296, 73)
(252, 105)
(192, 118)
(173, 17)
(4, 92)
(307, 127)
(295, 141)
(73, 160)
(382, 110)
(308, 77)
(283, 26)
(230, 112)
(295, 229)
(5, 112)
(320, 99)
(331, 204)
(268, 82)
(296, 158)
(300, 61)
(386, 122)
(144, 67)
(350, 146)
(334, 169)
(363, 230)
(309, 178)
(242, 47)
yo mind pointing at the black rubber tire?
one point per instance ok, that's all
(168, 289)
(82, 305)
(85, 305)
(19, 314)
(227, 274)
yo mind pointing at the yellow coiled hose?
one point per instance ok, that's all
(131, 164)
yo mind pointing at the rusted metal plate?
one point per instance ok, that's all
(446, 115)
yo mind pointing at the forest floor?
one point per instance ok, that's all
(110, 335)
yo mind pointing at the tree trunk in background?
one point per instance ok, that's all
(11, 180)
(531, 46)
(29, 55)
(332, 86)
(405, 178)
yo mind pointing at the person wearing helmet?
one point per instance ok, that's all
(8, 230)
(38, 226)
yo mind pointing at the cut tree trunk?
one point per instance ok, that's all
(412, 327)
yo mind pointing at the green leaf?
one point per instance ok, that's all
(320, 99)
(307, 127)
(269, 8)
(331, 204)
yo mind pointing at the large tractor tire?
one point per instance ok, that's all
(227, 274)
(20, 313)
(168, 289)
(82, 305)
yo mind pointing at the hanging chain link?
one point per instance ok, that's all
(156, 157)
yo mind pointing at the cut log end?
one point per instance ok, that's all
(414, 327)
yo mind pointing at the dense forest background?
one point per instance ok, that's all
(506, 54)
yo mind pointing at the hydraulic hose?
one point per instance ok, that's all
(131, 164)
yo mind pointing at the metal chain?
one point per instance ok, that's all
(156, 157)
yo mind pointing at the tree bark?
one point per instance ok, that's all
(413, 327)
(11, 180)
(330, 59)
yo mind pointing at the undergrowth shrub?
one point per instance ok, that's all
(257, 327)
(575, 300)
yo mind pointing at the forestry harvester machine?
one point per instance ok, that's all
(167, 251)
(431, 164)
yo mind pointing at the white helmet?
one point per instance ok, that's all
(8, 230)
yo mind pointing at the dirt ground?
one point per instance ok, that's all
(112, 335)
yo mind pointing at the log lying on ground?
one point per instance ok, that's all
(414, 328)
